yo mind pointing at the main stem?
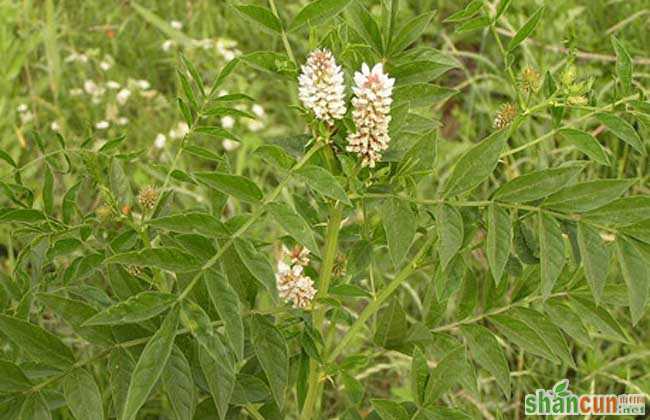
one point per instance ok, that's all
(329, 256)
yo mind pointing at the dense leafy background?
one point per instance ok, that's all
(470, 267)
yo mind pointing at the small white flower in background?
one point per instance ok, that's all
(226, 48)
(223, 92)
(55, 126)
(76, 92)
(122, 96)
(176, 24)
(167, 45)
(105, 65)
(227, 122)
(22, 108)
(102, 125)
(26, 117)
(160, 141)
(112, 84)
(122, 121)
(230, 145)
(143, 84)
(76, 57)
(90, 87)
(371, 114)
(255, 125)
(294, 286)
(180, 131)
(321, 86)
(258, 110)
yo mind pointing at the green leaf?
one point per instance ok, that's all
(536, 185)
(365, 25)
(271, 350)
(316, 12)
(166, 258)
(237, 186)
(294, 225)
(587, 144)
(485, 349)
(499, 240)
(21, 215)
(82, 395)
(35, 408)
(410, 32)
(216, 362)
(226, 302)
(390, 410)
(624, 211)
(550, 334)
(192, 222)
(475, 165)
(527, 338)
(36, 342)
(551, 252)
(220, 377)
(400, 225)
(419, 95)
(599, 317)
(13, 378)
(196, 76)
(278, 64)
(120, 367)
(276, 156)
(595, 258)
(391, 326)
(525, 30)
(419, 375)
(445, 374)
(588, 195)
(261, 15)
(178, 382)
(449, 224)
(501, 9)
(135, 309)
(640, 231)
(564, 317)
(417, 71)
(473, 24)
(323, 182)
(622, 129)
(256, 263)
(467, 12)
(75, 312)
(623, 64)
(151, 363)
(634, 268)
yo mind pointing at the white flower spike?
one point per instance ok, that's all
(321, 87)
(371, 113)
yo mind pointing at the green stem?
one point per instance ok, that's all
(497, 311)
(374, 306)
(329, 256)
(570, 123)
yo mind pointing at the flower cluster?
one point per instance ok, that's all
(321, 87)
(371, 113)
(505, 116)
(292, 284)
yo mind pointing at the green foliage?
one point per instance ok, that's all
(182, 236)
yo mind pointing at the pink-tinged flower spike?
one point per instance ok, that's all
(371, 113)
(293, 286)
(321, 87)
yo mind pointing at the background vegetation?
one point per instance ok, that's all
(452, 291)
